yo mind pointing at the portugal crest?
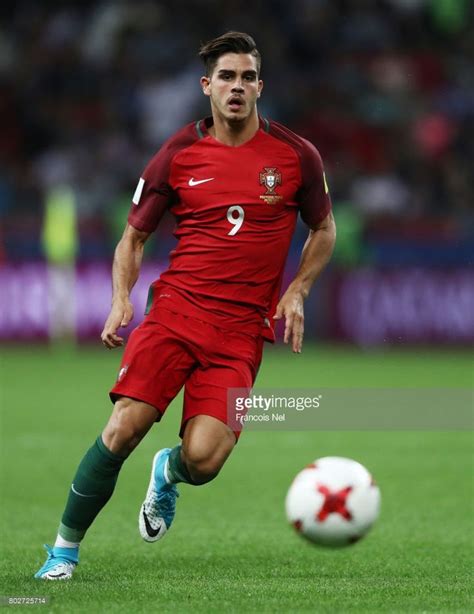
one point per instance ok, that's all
(270, 178)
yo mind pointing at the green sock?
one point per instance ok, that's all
(177, 470)
(91, 488)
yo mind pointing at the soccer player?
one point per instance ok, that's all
(235, 183)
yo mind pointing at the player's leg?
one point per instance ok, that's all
(153, 370)
(223, 361)
(208, 438)
(96, 476)
(94, 483)
(207, 443)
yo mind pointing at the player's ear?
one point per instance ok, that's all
(260, 88)
(205, 84)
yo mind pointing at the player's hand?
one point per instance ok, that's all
(120, 315)
(291, 308)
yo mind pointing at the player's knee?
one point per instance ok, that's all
(203, 465)
(202, 472)
(122, 434)
(120, 438)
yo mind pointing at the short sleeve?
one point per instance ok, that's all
(313, 198)
(153, 194)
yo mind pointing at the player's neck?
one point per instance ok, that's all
(234, 133)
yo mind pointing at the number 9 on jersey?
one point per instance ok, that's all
(236, 221)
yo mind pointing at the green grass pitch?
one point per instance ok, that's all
(230, 548)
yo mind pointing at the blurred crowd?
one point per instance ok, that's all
(384, 89)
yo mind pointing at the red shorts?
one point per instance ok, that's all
(169, 350)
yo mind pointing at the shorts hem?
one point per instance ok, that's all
(204, 413)
(116, 393)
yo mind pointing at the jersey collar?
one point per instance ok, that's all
(202, 125)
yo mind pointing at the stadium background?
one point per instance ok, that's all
(385, 90)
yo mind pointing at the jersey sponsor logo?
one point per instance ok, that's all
(138, 191)
(192, 182)
(270, 177)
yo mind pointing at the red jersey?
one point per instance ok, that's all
(235, 210)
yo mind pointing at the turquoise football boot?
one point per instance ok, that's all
(158, 509)
(60, 563)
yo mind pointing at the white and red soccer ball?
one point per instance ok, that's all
(333, 502)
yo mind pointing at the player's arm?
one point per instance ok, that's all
(126, 268)
(315, 255)
(151, 199)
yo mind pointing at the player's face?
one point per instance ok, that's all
(233, 87)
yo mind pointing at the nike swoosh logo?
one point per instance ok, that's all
(192, 182)
(149, 529)
(79, 493)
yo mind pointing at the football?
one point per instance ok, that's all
(333, 502)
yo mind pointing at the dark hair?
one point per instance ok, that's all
(230, 42)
